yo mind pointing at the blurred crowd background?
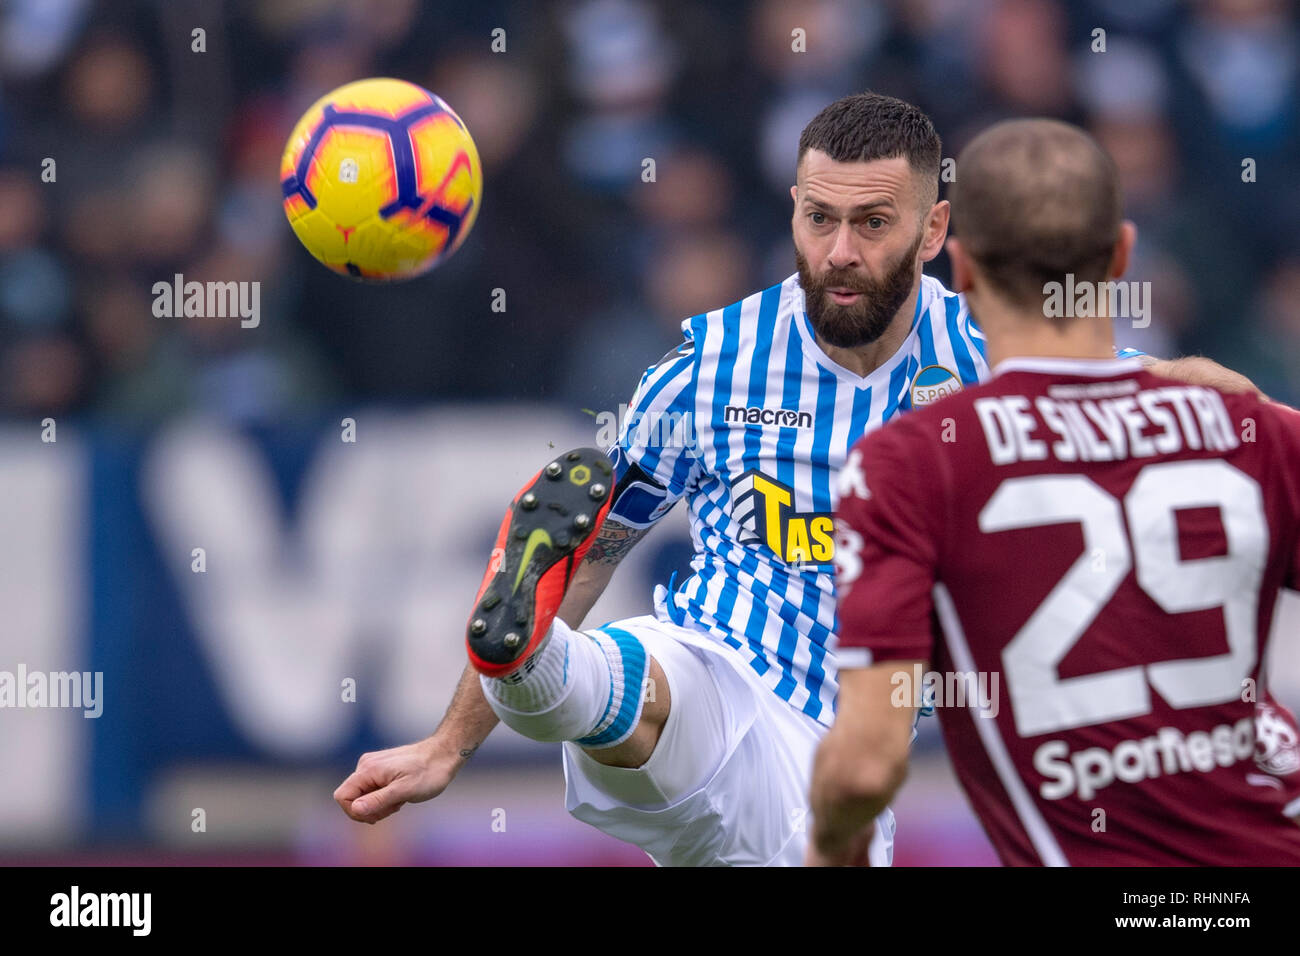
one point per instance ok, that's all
(166, 161)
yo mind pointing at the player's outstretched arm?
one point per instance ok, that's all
(1199, 370)
(860, 763)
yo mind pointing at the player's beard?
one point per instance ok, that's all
(852, 326)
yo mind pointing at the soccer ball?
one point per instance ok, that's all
(381, 180)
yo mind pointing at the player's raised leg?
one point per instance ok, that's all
(708, 769)
(542, 678)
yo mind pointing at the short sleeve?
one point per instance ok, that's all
(886, 551)
(654, 457)
(1288, 420)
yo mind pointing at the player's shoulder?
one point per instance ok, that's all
(1243, 405)
(934, 291)
(707, 336)
(1259, 419)
(757, 314)
(1249, 411)
(939, 306)
(950, 334)
(1287, 417)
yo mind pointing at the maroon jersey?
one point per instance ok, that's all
(1101, 550)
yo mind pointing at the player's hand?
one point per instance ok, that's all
(386, 779)
(1198, 370)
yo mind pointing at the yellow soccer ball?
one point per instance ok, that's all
(381, 180)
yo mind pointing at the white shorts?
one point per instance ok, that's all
(750, 754)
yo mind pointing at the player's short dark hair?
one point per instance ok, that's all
(1035, 199)
(867, 126)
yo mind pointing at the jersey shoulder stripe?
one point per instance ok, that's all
(658, 432)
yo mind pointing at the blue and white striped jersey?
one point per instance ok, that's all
(750, 421)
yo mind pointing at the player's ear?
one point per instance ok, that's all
(794, 194)
(1123, 249)
(936, 230)
(961, 270)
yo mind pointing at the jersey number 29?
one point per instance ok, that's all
(1041, 701)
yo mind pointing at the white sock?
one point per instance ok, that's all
(584, 686)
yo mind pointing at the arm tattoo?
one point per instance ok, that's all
(613, 542)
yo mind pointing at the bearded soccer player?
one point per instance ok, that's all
(750, 421)
(1109, 541)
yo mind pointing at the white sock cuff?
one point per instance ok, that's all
(628, 663)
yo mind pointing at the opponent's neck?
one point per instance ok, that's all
(1013, 333)
(865, 359)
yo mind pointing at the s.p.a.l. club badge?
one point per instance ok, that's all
(933, 383)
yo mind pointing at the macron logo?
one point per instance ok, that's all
(754, 415)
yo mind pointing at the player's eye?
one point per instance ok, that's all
(818, 218)
(875, 222)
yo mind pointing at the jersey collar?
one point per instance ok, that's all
(1088, 368)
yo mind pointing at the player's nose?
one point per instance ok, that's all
(844, 252)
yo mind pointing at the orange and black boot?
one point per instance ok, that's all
(545, 535)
